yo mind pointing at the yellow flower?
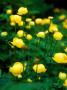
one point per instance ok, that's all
(50, 17)
(19, 76)
(38, 21)
(28, 26)
(12, 23)
(60, 58)
(39, 68)
(62, 76)
(46, 32)
(22, 11)
(28, 19)
(18, 42)
(40, 34)
(17, 69)
(65, 83)
(15, 18)
(20, 33)
(39, 78)
(29, 37)
(57, 35)
(4, 33)
(53, 28)
(62, 17)
(31, 23)
(65, 24)
(21, 23)
(56, 10)
(29, 80)
(45, 21)
(65, 49)
(9, 11)
(12, 18)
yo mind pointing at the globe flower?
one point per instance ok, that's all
(21, 23)
(57, 10)
(39, 68)
(22, 11)
(29, 80)
(62, 17)
(38, 21)
(45, 21)
(65, 83)
(53, 28)
(4, 34)
(62, 76)
(18, 42)
(60, 58)
(9, 11)
(17, 69)
(29, 37)
(15, 18)
(65, 24)
(12, 23)
(20, 33)
(57, 35)
(31, 23)
(40, 34)
(65, 49)
(28, 19)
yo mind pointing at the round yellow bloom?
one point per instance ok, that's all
(29, 80)
(12, 19)
(60, 58)
(45, 21)
(22, 11)
(16, 69)
(19, 76)
(29, 37)
(12, 23)
(65, 24)
(4, 33)
(31, 23)
(38, 21)
(46, 32)
(65, 49)
(18, 42)
(65, 83)
(9, 11)
(21, 23)
(62, 76)
(62, 17)
(15, 18)
(56, 10)
(50, 17)
(28, 19)
(39, 68)
(28, 26)
(40, 34)
(20, 33)
(53, 28)
(57, 35)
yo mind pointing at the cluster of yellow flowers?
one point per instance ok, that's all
(18, 68)
(17, 19)
(18, 41)
(63, 76)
